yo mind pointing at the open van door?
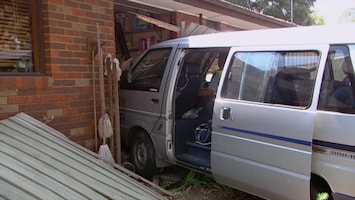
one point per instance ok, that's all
(142, 99)
(264, 119)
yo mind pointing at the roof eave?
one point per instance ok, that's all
(237, 11)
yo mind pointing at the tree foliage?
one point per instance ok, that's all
(302, 13)
(316, 19)
(348, 16)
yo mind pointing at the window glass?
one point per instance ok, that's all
(285, 78)
(338, 83)
(15, 36)
(148, 73)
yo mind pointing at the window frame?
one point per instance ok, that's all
(36, 27)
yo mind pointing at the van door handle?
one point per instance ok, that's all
(226, 113)
(154, 101)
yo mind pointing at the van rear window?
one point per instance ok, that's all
(337, 92)
(282, 77)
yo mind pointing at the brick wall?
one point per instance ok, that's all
(65, 91)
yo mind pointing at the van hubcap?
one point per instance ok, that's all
(141, 154)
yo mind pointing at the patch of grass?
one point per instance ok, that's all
(322, 196)
(195, 179)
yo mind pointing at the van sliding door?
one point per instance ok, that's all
(264, 119)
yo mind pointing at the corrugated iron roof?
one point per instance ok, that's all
(38, 162)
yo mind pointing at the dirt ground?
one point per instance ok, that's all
(175, 180)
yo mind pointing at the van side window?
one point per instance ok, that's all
(284, 77)
(148, 72)
(338, 83)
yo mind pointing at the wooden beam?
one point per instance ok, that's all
(158, 23)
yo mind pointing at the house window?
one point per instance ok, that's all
(19, 36)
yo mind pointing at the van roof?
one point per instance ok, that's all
(324, 34)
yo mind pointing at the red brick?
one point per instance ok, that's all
(58, 2)
(18, 82)
(60, 38)
(54, 67)
(55, 45)
(73, 47)
(66, 75)
(27, 92)
(37, 114)
(83, 137)
(86, 109)
(36, 107)
(92, 2)
(72, 4)
(73, 61)
(53, 53)
(49, 98)
(44, 91)
(47, 8)
(85, 6)
(77, 117)
(55, 30)
(92, 15)
(72, 32)
(28, 83)
(4, 116)
(66, 54)
(78, 12)
(64, 123)
(71, 18)
(105, 4)
(85, 20)
(38, 83)
(55, 15)
(68, 111)
(55, 60)
(62, 104)
(8, 83)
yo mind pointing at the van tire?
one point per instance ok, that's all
(319, 185)
(143, 154)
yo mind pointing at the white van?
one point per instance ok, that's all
(281, 124)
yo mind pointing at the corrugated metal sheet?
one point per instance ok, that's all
(38, 162)
(197, 29)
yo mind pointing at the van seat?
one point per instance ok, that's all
(191, 81)
(293, 86)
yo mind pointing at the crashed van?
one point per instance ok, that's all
(276, 119)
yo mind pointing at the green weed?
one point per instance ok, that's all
(194, 178)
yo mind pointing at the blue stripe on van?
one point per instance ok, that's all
(334, 145)
(292, 140)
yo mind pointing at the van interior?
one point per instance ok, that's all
(194, 97)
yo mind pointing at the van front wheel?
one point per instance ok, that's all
(143, 155)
